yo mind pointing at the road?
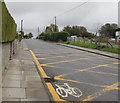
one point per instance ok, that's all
(78, 75)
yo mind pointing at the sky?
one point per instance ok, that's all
(91, 14)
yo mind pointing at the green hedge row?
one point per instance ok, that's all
(56, 36)
(8, 25)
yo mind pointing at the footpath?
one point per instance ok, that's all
(22, 81)
(107, 54)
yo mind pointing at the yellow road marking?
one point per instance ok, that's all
(41, 58)
(53, 57)
(95, 95)
(66, 61)
(45, 65)
(62, 56)
(39, 66)
(54, 94)
(102, 73)
(116, 63)
(49, 85)
(82, 70)
(74, 81)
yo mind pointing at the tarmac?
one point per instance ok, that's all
(22, 81)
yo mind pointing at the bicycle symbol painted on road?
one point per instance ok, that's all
(65, 90)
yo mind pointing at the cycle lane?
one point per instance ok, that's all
(62, 65)
(74, 84)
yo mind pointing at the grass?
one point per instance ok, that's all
(93, 46)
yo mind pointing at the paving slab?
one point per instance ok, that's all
(13, 93)
(13, 77)
(16, 72)
(36, 93)
(12, 84)
(22, 81)
(11, 100)
(14, 68)
(36, 100)
(31, 73)
(31, 84)
(27, 62)
(33, 78)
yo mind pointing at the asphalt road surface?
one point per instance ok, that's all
(78, 75)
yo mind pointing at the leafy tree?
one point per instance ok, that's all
(28, 36)
(67, 29)
(51, 28)
(79, 31)
(108, 30)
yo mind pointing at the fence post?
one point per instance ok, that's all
(10, 50)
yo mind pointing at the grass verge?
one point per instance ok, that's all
(93, 46)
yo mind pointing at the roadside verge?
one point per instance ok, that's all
(110, 55)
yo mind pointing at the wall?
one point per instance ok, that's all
(8, 34)
(8, 50)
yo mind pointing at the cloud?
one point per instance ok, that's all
(42, 14)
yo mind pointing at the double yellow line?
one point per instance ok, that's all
(54, 94)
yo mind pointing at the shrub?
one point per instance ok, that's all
(47, 36)
(57, 36)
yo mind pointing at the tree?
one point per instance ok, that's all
(28, 36)
(97, 27)
(108, 30)
(67, 29)
(51, 28)
(79, 31)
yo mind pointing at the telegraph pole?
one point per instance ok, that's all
(21, 26)
(55, 23)
(22, 34)
(38, 31)
(44, 29)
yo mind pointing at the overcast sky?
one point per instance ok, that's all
(40, 14)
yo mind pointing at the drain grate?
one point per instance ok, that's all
(49, 79)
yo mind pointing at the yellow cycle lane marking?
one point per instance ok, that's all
(88, 70)
(54, 93)
(117, 63)
(49, 85)
(61, 56)
(74, 81)
(82, 70)
(97, 94)
(64, 61)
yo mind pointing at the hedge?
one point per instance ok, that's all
(0, 21)
(8, 25)
(56, 36)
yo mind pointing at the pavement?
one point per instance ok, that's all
(73, 75)
(22, 81)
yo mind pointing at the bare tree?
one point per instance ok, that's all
(97, 27)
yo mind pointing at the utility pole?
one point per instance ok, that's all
(21, 26)
(38, 31)
(22, 33)
(44, 29)
(55, 23)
